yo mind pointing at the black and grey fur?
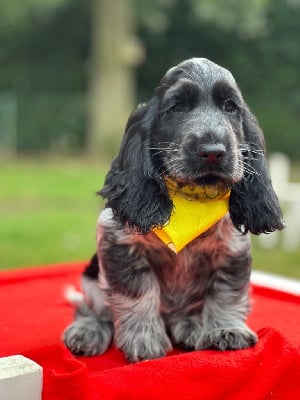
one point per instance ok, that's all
(196, 129)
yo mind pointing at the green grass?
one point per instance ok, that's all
(276, 260)
(48, 214)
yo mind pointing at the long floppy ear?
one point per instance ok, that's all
(134, 189)
(253, 204)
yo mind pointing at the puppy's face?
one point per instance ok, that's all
(196, 129)
(198, 134)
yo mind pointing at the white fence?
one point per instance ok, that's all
(289, 197)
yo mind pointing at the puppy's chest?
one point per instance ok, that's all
(192, 269)
(184, 283)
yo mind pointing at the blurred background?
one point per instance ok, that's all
(72, 70)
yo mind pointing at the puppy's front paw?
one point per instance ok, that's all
(88, 337)
(145, 342)
(228, 339)
(185, 333)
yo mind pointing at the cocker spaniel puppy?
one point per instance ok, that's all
(173, 249)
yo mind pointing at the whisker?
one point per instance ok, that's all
(172, 143)
(251, 168)
(164, 151)
(250, 158)
(243, 167)
(164, 148)
(249, 150)
(174, 167)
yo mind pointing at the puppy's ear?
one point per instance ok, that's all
(134, 189)
(253, 204)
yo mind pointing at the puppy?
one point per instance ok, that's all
(173, 259)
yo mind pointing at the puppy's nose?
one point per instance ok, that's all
(212, 153)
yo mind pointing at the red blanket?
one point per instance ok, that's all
(34, 314)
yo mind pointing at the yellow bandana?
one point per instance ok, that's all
(196, 209)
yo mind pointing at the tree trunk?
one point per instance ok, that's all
(112, 88)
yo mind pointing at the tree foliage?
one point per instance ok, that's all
(45, 49)
(14, 16)
(44, 45)
(264, 61)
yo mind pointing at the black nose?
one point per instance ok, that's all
(212, 153)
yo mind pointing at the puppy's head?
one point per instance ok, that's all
(198, 130)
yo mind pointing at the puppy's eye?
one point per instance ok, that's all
(178, 106)
(229, 106)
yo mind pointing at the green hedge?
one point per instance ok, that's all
(51, 122)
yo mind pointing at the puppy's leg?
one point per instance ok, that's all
(88, 336)
(225, 310)
(133, 295)
(92, 331)
(185, 331)
(139, 330)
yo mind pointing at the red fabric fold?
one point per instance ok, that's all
(267, 371)
(34, 315)
(64, 376)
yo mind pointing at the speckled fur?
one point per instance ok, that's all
(195, 299)
(147, 298)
